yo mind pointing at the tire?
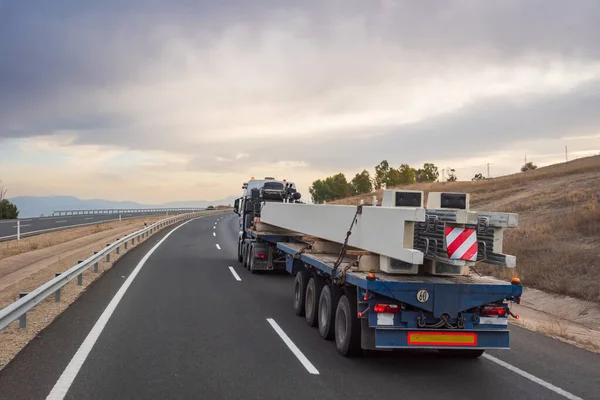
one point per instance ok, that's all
(462, 353)
(243, 250)
(248, 255)
(326, 314)
(311, 301)
(347, 327)
(239, 249)
(300, 284)
(251, 260)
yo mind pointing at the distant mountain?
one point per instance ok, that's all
(34, 206)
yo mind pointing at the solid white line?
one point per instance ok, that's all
(22, 225)
(88, 218)
(218, 247)
(61, 222)
(301, 357)
(532, 378)
(235, 275)
(214, 234)
(60, 389)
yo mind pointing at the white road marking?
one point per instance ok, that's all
(60, 389)
(218, 247)
(22, 225)
(235, 275)
(532, 378)
(88, 218)
(215, 227)
(299, 355)
(214, 234)
(61, 222)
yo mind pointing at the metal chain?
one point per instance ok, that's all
(342, 279)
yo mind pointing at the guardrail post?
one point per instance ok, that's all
(117, 249)
(119, 217)
(57, 293)
(96, 263)
(108, 255)
(80, 276)
(18, 230)
(125, 245)
(138, 238)
(23, 318)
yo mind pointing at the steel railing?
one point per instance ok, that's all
(18, 309)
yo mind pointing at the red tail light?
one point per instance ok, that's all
(260, 255)
(493, 310)
(386, 308)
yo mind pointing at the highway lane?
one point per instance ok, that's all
(32, 226)
(188, 328)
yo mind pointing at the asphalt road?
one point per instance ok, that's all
(33, 226)
(187, 328)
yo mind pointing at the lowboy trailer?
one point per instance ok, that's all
(385, 284)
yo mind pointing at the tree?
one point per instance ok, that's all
(429, 173)
(407, 174)
(381, 173)
(319, 191)
(478, 177)
(529, 166)
(361, 183)
(338, 186)
(8, 210)
(451, 176)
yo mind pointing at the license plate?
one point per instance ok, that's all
(442, 338)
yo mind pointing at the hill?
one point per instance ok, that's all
(34, 206)
(558, 239)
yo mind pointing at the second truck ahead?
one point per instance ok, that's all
(374, 300)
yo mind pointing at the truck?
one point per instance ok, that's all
(403, 276)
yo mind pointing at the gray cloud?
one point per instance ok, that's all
(62, 63)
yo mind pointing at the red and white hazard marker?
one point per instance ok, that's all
(461, 243)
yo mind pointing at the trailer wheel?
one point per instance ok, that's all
(300, 291)
(326, 314)
(462, 353)
(313, 293)
(347, 327)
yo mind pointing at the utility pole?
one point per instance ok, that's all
(566, 157)
(488, 169)
(443, 175)
(525, 159)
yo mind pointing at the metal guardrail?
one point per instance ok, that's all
(27, 301)
(60, 213)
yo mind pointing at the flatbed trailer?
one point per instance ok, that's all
(459, 315)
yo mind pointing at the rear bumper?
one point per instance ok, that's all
(441, 339)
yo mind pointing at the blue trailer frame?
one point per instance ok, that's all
(415, 312)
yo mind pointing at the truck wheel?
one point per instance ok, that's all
(326, 314)
(244, 251)
(248, 255)
(313, 292)
(240, 255)
(462, 353)
(347, 327)
(300, 291)
(251, 260)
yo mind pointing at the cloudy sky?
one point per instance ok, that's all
(158, 101)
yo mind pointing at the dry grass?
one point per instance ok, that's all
(14, 247)
(558, 237)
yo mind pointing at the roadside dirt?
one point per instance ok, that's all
(11, 248)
